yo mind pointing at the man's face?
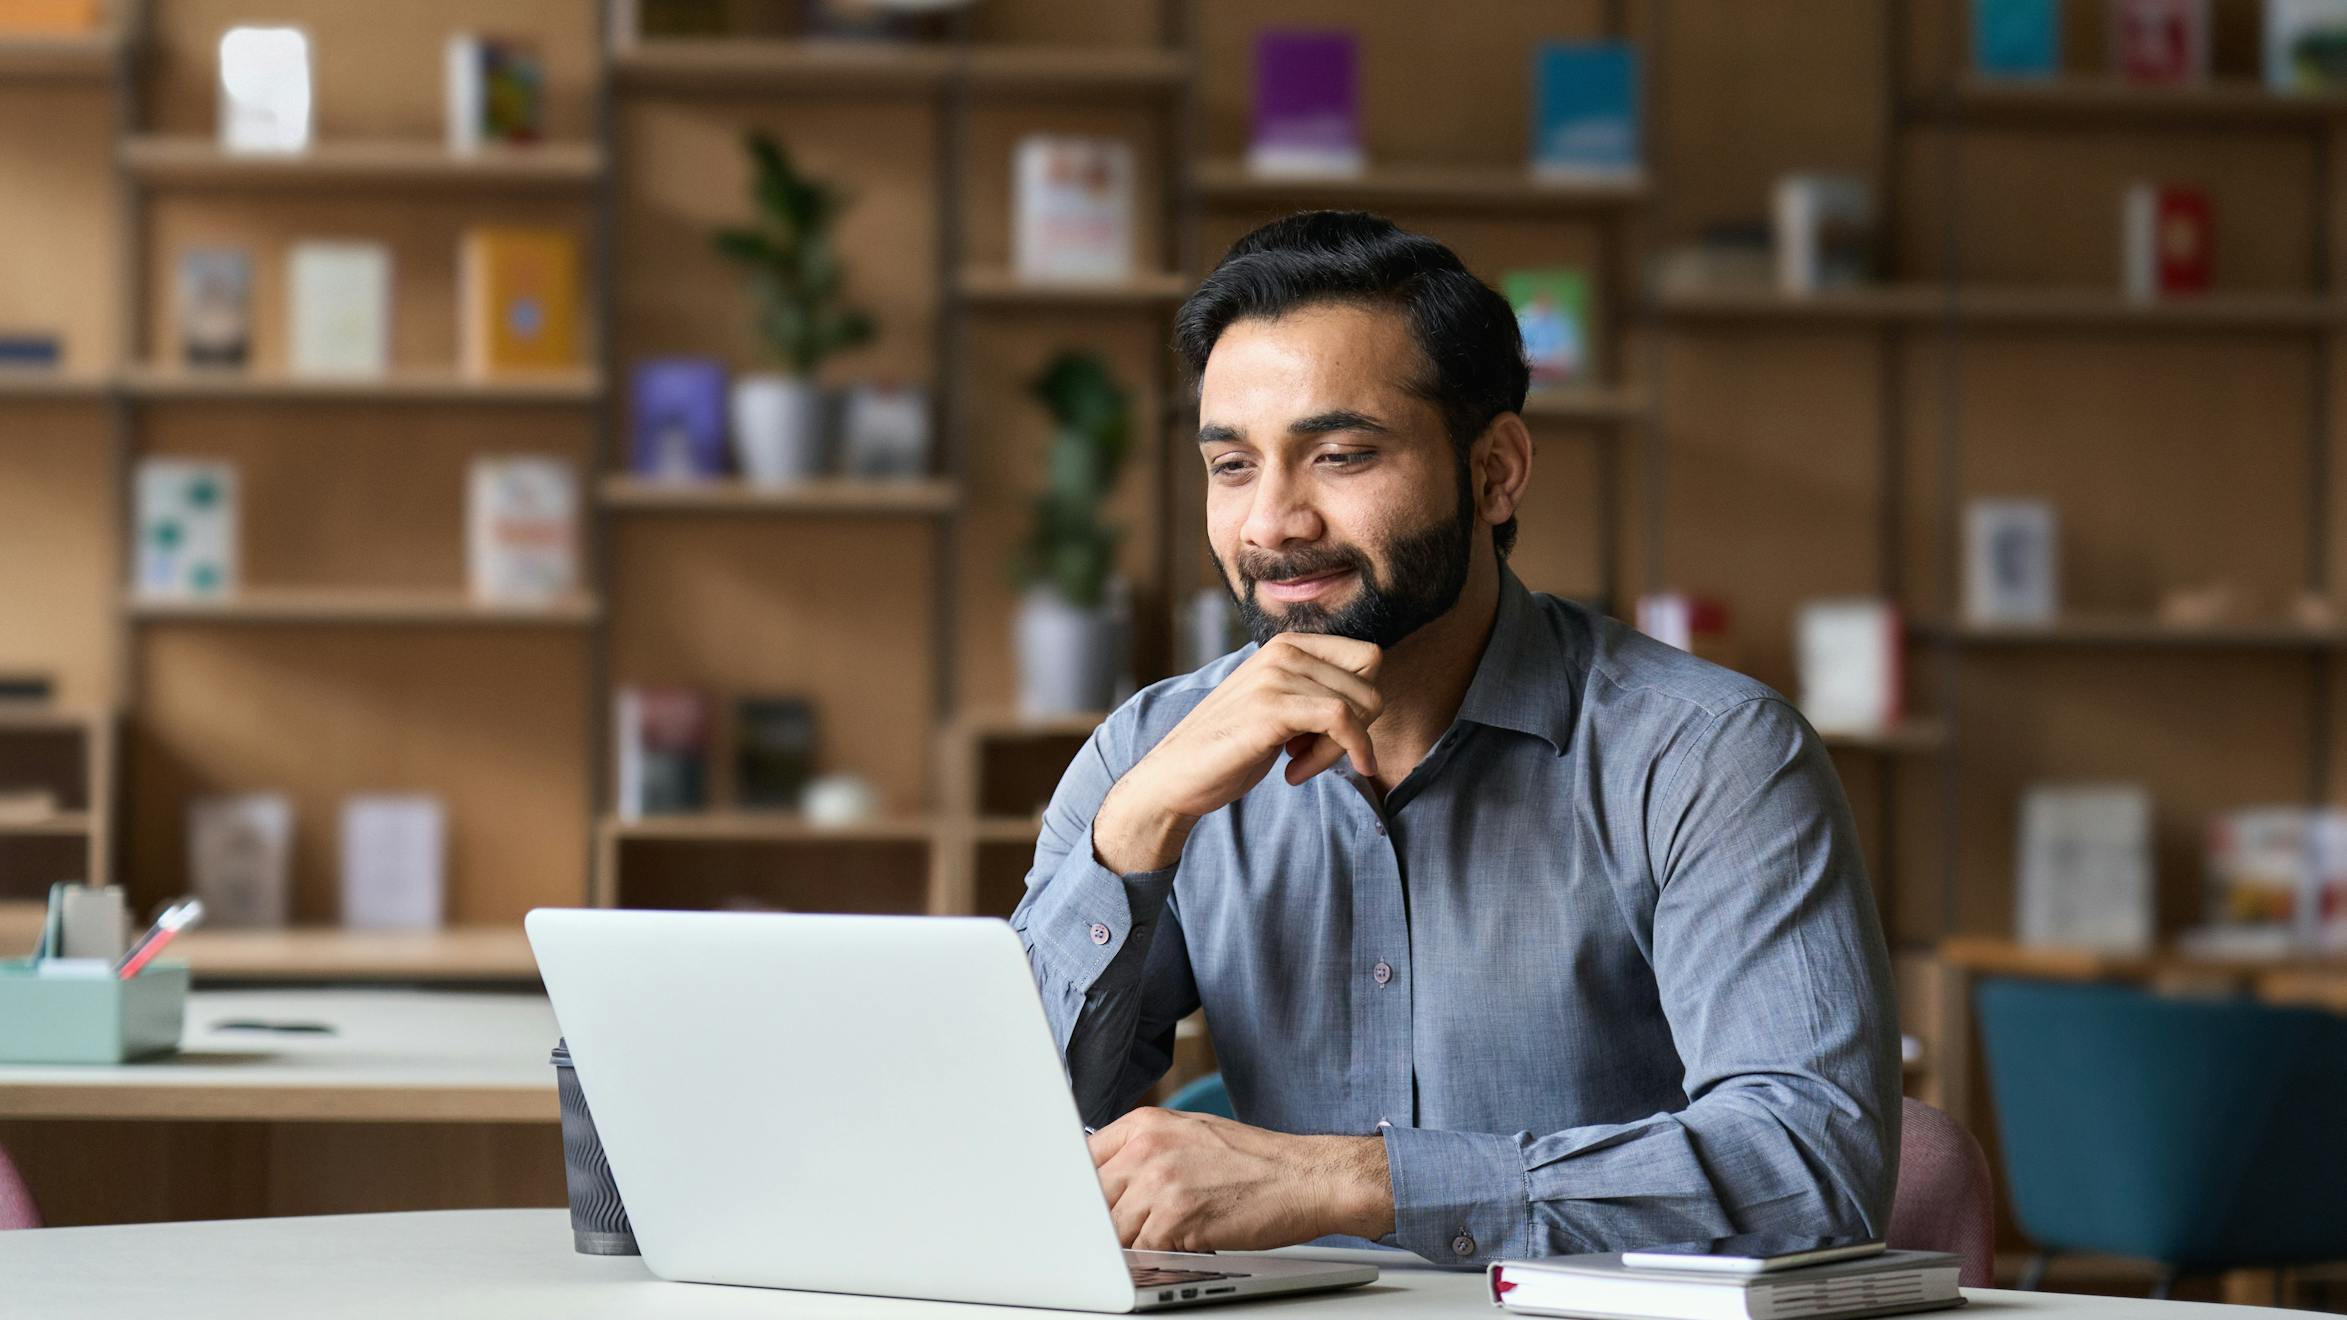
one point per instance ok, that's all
(1335, 502)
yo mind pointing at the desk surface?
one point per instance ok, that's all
(412, 1056)
(518, 1265)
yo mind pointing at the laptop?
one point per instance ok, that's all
(868, 1105)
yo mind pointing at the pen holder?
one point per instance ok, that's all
(598, 1222)
(89, 1018)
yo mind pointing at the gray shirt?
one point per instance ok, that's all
(1604, 969)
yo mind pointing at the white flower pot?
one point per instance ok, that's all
(777, 428)
(1067, 656)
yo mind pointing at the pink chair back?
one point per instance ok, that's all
(16, 1199)
(1944, 1200)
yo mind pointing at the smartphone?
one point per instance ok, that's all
(1751, 1253)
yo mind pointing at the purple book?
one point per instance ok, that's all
(678, 419)
(1307, 106)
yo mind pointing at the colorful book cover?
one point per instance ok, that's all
(2306, 45)
(2016, 38)
(1585, 110)
(215, 307)
(1552, 311)
(49, 17)
(520, 300)
(1307, 103)
(677, 417)
(1074, 206)
(774, 751)
(496, 92)
(340, 313)
(187, 529)
(2160, 41)
(21, 349)
(522, 529)
(2170, 241)
(662, 739)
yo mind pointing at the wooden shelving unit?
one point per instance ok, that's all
(828, 496)
(369, 608)
(770, 66)
(1911, 738)
(2115, 103)
(33, 383)
(385, 163)
(1003, 288)
(406, 385)
(1451, 187)
(2126, 631)
(83, 58)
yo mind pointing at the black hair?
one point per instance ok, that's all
(1466, 332)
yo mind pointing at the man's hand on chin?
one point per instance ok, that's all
(1194, 1182)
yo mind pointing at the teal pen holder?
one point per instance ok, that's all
(90, 1019)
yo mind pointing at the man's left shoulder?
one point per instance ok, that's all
(1634, 678)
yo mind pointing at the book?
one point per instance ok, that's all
(2168, 241)
(60, 18)
(677, 419)
(2016, 38)
(519, 295)
(2011, 562)
(1585, 120)
(394, 861)
(661, 739)
(885, 431)
(1552, 312)
(773, 751)
(496, 92)
(187, 529)
(1307, 106)
(240, 858)
(1695, 624)
(2305, 45)
(215, 307)
(1851, 656)
(1728, 254)
(27, 348)
(2086, 866)
(265, 89)
(522, 515)
(339, 308)
(2159, 41)
(1073, 209)
(1824, 232)
(1599, 1284)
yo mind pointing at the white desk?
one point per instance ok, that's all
(418, 1100)
(518, 1265)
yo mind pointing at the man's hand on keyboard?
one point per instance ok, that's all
(1194, 1182)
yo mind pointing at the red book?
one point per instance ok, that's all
(2171, 240)
(2160, 41)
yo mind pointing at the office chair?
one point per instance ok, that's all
(2203, 1135)
(16, 1199)
(1205, 1095)
(1944, 1200)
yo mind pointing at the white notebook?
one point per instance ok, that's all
(1602, 1288)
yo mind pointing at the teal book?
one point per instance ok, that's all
(2016, 38)
(1585, 110)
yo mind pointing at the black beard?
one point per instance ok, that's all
(1429, 571)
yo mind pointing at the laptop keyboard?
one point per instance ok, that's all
(1151, 1276)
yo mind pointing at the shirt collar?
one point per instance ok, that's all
(1523, 681)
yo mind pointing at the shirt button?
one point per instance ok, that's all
(1383, 972)
(1385, 1122)
(1463, 1245)
(1099, 933)
(1380, 828)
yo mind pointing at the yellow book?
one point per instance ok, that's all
(59, 17)
(520, 300)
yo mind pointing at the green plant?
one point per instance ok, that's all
(796, 280)
(1070, 548)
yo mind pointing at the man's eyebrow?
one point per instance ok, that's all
(1217, 433)
(1336, 419)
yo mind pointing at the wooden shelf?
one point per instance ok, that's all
(1008, 829)
(826, 496)
(463, 953)
(371, 608)
(750, 65)
(2134, 631)
(82, 57)
(202, 162)
(1913, 736)
(60, 825)
(2116, 103)
(1585, 403)
(2084, 309)
(41, 717)
(404, 385)
(1447, 187)
(995, 287)
(1009, 724)
(766, 827)
(43, 383)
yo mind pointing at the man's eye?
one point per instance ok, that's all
(1345, 460)
(1226, 469)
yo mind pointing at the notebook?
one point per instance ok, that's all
(1602, 1288)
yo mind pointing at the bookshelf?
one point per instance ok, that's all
(407, 385)
(93, 58)
(829, 496)
(200, 162)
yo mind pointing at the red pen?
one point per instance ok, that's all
(179, 916)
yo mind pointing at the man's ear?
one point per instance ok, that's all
(1500, 466)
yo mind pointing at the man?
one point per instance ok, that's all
(1518, 932)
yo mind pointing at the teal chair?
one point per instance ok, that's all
(2200, 1134)
(1206, 1095)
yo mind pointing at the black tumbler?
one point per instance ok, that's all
(598, 1222)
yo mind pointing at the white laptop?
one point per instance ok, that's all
(863, 1105)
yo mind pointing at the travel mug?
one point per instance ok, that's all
(598, 1222)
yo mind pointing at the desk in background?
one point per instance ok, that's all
(420, 1100)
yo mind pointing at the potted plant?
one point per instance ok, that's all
(1070, 624)
(796, 290)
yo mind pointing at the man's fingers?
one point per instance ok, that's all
(1332, 716)
(1109, 1140)
(1358, 692)
(1358, 657)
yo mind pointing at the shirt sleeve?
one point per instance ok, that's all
(1106, 949)
(1770, 965)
